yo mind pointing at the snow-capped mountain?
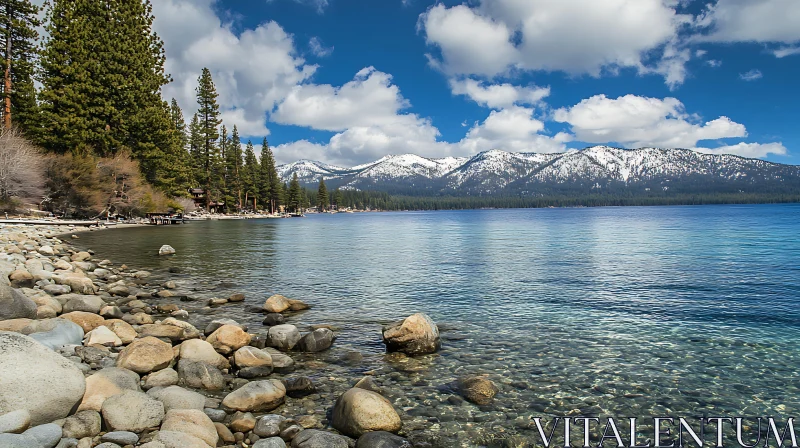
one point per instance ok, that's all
(590, 169)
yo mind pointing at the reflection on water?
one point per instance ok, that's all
(612, 311)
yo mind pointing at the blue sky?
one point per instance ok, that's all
(348, 81)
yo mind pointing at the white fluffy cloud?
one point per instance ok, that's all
(752, 75)
(513, 129)
(635, 121)
(497, 96)
(767, 21)
(574, 36)
(253, 70)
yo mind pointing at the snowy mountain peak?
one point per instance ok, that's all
(590, 168)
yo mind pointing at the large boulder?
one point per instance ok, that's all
(132, 411)
(14, 304)
(87, 321)
(163, 378)
(78, 283)
(55, 333)
(216, 323)
(78, 302)
(201, 351)
(256, 396)
(313, 438)
(146, 355)
(283, 337)
(359, 411)
(276, 304)
(316, 341)
(105, 384)
(176, 397)
(477, 389)
(192, 422)
(228, 338)
(37, 379)
(200, 375)
(252, 362)
(415, 335)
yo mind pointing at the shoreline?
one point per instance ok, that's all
(118, 309)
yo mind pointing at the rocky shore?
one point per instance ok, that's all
(96, 355)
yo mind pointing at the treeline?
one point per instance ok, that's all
(100, 106)
(370, 200)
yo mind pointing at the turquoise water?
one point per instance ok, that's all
(682, 311)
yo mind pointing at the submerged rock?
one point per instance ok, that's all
(477, 389)
(313, 438)
(415, 335)
(316, 341)
(283, 337)
(382, 439)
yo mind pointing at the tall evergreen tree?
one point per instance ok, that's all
(19, 20)
(209, 122)
(233, 163)
(196, 146)
(275, 186)
(178, 122)
(322, 195)
(102, 73)
(250, 172)
(295, 196)
(264, 179)
(338, 198)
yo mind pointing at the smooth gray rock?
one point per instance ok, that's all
(14, 304)
(48, 435)
(19, 441)
(55, 333)
(272, 442)
(216, 415)
(382, 439)
(37, 379)
(312, 438)
(15, 421)
(85, 303)
(283, 337)
(316, 341)
(299, 387)
(120, 438)
(269, 425)
(108, 445)
(200, 375)
(216, 323)
(176, 397)
(132, 411)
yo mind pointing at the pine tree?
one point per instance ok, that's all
(209, 122)
(264, 180)
(196, 151)
(19, 20)
(102, 73)
(178, 123)
(338, 198)
(250, 172)
(295, 195)
(268, 163)
(322, 195)
(233, 163)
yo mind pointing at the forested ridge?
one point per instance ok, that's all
(111, 143)
(96, 137)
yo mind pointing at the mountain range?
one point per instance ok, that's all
(597, 169)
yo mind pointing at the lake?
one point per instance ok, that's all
(638, 311)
